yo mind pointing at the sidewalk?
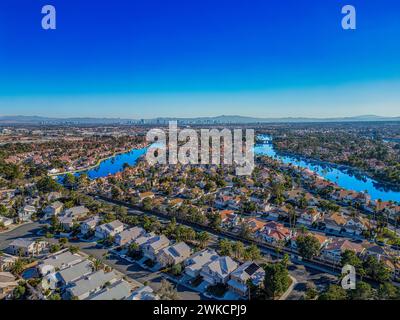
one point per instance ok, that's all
(289, 290)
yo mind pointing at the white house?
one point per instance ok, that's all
(174, 254)
(247, 271)
(58, 262)
(89, 224)
(27, 247)
(196, 262)
(109, 229)
(53, 209)
(127, 236)
(153, 245)
(218, 271)
(6, 221)
(26, 212)
(309, 216)
(143, 293)
(90, 284)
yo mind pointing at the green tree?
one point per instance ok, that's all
(334, 292)
(225, 247)
(203, 237)
(308, 246)
(388, 291)
(276, 280)
(363, 291)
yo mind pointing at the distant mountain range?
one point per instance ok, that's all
(224, 119)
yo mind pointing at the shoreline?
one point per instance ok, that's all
(341, 167)
(98, 163)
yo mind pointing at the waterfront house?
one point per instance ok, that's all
(248, 271)
(197, 261)
(218, 270)
(173, 254)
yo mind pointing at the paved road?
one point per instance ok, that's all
(132, 271)
(305, 275)
(24, 231)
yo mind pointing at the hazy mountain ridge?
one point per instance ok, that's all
(196, 120)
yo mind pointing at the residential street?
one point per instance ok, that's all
(132, 271)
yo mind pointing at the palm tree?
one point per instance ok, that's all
(97, 264)
(203, 238)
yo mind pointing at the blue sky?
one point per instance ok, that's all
(141, 59)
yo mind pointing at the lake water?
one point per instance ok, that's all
(344, 177)
(340, 175)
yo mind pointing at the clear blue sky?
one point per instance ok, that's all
(141, 59)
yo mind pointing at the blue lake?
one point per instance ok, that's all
(344, 177)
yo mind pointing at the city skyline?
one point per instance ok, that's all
(147, 60)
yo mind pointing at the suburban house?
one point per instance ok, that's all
(89, 224)
(58, 262)
(240, 277)
(109, 229)
(229, 218)
(53, 209)
(90, 284)
(27, 247)
(335, 222)
(323, 240)
(144, 238)
(357, 225)
(127, 236)
(69, 216)
(174, 254)
(153, 245)
(143, 293)
(119, 290)
(218, 270)
(333, 250)
(253, 224)
(6, 262)
(7, 284)
(274, 232)
(6, 221)
(25, 213)
(145, 195)
(197, 261)
(309, 216)
(68, 275)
